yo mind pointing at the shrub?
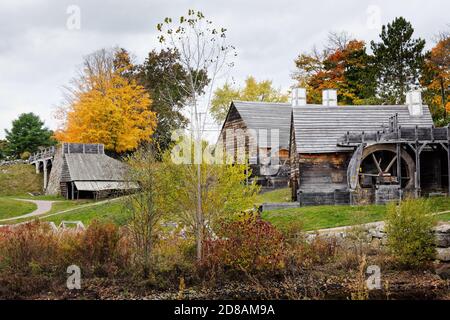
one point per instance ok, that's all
(25, 155)
(307, 253)
(410, 239)
(102, 249)
(173, 258)
(28, 249)
(248, 245)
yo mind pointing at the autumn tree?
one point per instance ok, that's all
(106, 105)
(343, 65)
(436, 79)
(166, 80)
(399, 59)
(204, 54)
(252, 91)
(27, 134)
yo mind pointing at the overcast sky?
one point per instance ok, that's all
(39, 53)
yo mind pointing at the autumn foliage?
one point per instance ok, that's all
(107, 107)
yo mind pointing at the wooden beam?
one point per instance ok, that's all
(422, 147)
(417, 169)
(399, 167)
(448, 157)
(377, 164)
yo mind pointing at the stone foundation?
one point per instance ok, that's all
(375, 235)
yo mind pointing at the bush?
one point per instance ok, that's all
(28, 249)
(25, 155)
(34, 248)
(410, 239)
(102, 249)
(248, 245)
(173, 258)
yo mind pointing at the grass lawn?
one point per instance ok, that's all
(19, 179)
(12, 208)
(278, 195)
(112, 211)
(320, 217)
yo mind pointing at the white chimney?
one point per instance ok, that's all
(414, 103)
(298, 97)
(329, 98)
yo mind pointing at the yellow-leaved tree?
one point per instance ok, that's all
(105, 105)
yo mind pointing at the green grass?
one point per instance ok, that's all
(278, 195)
(321, 217)
(112, 211)
(19, 179)
(444, 217)
(12, 208)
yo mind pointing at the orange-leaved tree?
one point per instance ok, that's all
(106, 106)
(436, 79)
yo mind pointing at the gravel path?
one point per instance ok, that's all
(43, 206)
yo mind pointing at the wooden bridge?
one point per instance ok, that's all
(43, 159)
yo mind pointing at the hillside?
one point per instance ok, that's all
(19, 179)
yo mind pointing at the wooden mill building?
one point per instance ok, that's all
(344, 154)
(349, 154)
(256, 132)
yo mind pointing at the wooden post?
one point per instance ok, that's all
(448, 157)
(399, 166)
(73, 191)
(417, 169)
(45, 174)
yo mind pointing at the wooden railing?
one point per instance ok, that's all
(401, 134)
(41, 155)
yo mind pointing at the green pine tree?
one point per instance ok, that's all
(27, 135)
(399, 59)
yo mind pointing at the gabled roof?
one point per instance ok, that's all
(318, 128)
(268, 116)
(94, 167)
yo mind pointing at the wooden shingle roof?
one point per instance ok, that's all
(267, 116)
(318, 128)
(94, 167)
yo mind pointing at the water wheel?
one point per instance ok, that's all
(379, 166)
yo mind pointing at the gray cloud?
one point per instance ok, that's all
(38, 54)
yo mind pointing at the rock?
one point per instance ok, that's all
(442, 240)
(443, 254)
(442, 228)
(375, 233)
(442, 235)
(443, 270)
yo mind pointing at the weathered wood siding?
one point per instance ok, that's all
(240, 140)
(294, 164)
(323, 172)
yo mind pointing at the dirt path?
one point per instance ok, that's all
(43, 207)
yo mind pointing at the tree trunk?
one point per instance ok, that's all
(199, 215)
